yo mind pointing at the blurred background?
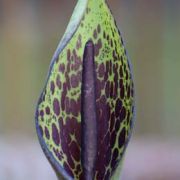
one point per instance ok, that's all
(29, 34)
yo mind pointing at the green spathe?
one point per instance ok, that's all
(59, 114)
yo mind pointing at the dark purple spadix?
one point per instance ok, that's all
(88, 110)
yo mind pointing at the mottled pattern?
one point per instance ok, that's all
(59, 109)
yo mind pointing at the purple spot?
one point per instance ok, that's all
(47, 110)
(58, 82)
(74, 107)
(128, 91)
(101, 70)
(111, 89)
(67, 105)
(62, 68)
(122, 137)
(52, 86)
(118, 107)
(121, 71)
(67, 80)
(95, 34)
(41, 113)
(112, 121)
(114, 158)
(68, 55)
(122, 92)
(123, 113)
(63, 100)
(108, 156)
(98, 46)
(47, 133)
(113, 138)
(74, 81)
(41, 130)
(107, 88)
(117, 125)
(55, 134)
(56, 107)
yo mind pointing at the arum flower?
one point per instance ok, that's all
(84, 116)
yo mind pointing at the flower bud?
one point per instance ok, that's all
(85, 113)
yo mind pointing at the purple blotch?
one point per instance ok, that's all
(56, 107)
(55, 134)
(52, 86)
(47, 110)
(47, 133)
